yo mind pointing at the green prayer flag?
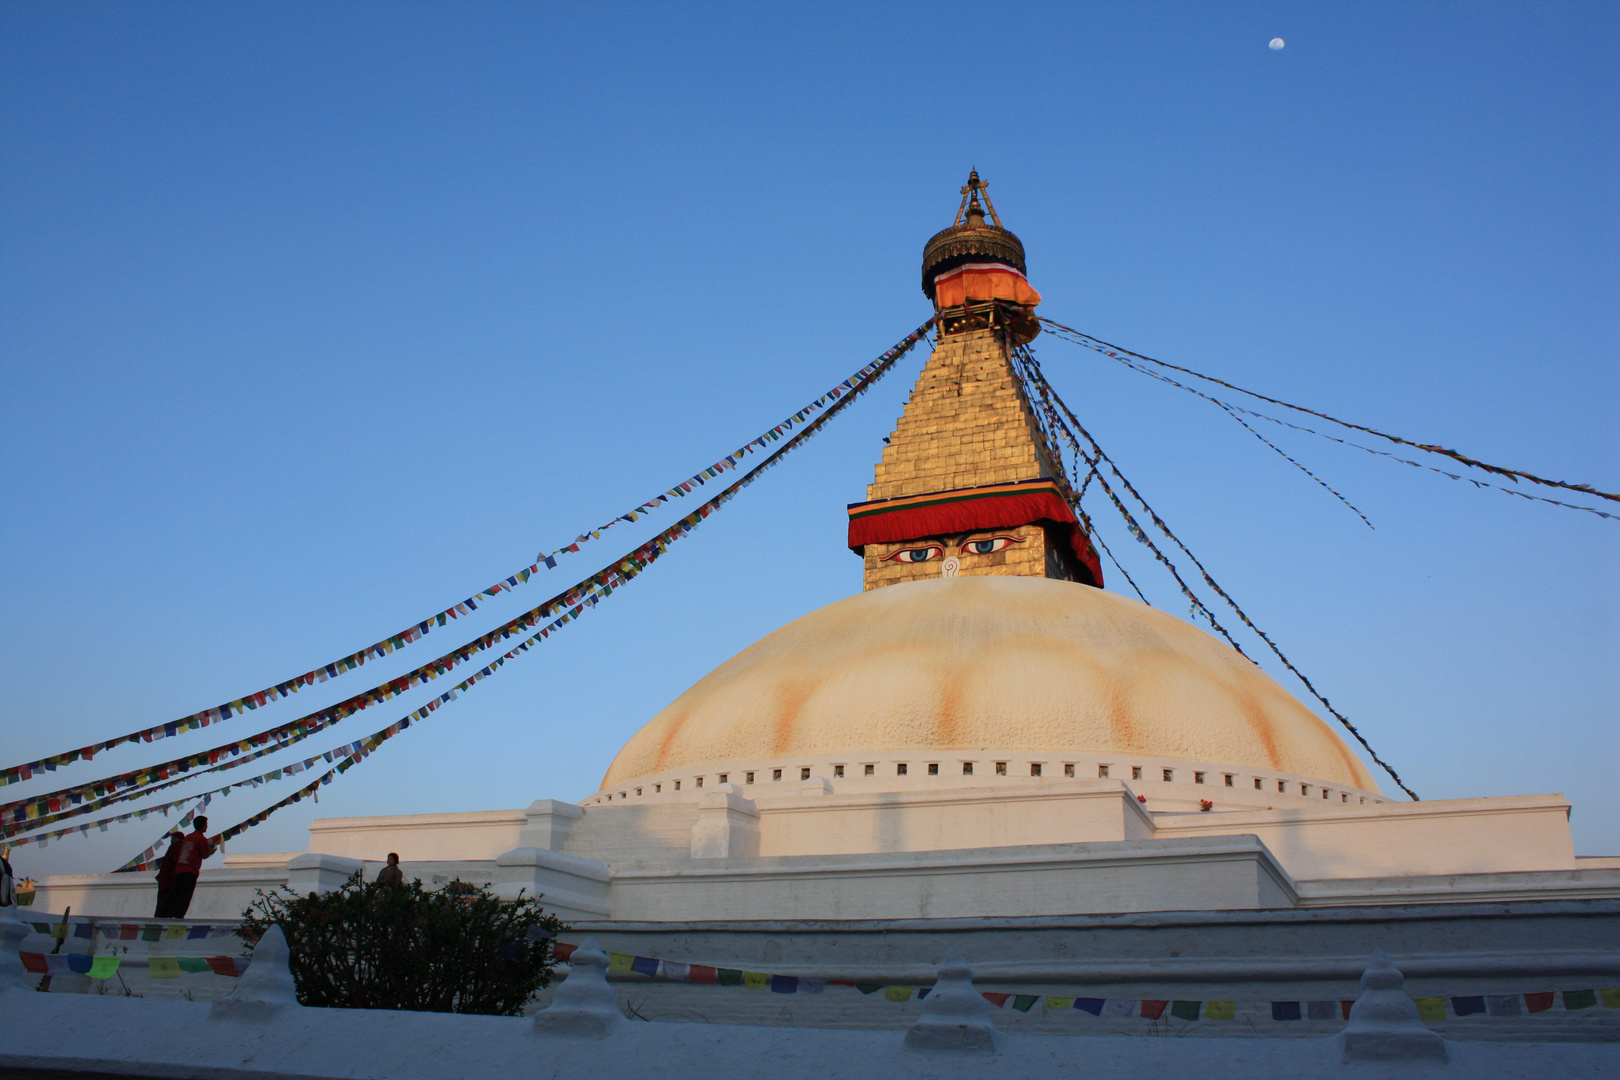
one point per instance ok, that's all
(1185, 1010)
(1580, 999)
(1023, 1002)
(730, 977)
(151, 933)
(102, 967)
(194, 964)
(868, 988)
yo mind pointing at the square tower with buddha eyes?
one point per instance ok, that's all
(966, 485)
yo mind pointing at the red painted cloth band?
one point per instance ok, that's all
(965, 510)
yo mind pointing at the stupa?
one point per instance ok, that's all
(984, 731)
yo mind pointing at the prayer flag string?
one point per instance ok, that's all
(596, 588)
(1030, 370)
(1430, 1009)
(629, 567)
(1098, 345)
(598, 585)
(1232, 409)
(414, 633)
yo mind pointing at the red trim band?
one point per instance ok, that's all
(964, 510)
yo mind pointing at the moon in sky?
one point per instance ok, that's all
(1277, 43)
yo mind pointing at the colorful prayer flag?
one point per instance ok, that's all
(1431, 1009)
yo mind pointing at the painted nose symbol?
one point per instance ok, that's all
(950, 567)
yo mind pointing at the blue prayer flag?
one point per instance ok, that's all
(1285, 1010)
(1468, 1006)
(644, 965)
(784, 984)
(1093, 1006)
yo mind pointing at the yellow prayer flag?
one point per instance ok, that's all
(619, 963)
(898, 993)
(1053, 1004)
(1611, 998)
(1220, 1010)
(1431, 1009)
(172, 933)
(755, 980)
(165, 967)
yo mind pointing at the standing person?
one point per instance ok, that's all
(8, 880)
(193, 850)
(165, 874)
(391, 874)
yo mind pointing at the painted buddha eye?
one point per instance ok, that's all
(990, 544)
(917, 554)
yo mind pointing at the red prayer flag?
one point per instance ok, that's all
(223, 965)
(1152, 1010)
(998, 1000)
(703, 973)
(34, 962)
(562, 951)
(1538, 1002)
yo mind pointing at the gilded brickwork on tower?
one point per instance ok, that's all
(966, 425)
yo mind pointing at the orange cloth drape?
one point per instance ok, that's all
(983, 281)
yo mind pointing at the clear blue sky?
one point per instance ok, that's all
(316, 318)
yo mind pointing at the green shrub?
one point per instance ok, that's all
(365, 946)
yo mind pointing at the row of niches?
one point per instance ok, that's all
(1151, 781)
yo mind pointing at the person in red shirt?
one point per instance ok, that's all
(165, 875)
(193, 850)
